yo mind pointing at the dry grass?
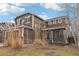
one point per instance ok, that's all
(52, 50)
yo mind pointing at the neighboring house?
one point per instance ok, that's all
(31, 29)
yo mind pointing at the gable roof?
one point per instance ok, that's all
(30, 14)
(41, 18)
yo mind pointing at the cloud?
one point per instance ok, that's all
(55, 6)
(43, 15)
(11, 21)
(4, 13)
(23, 4)
(15, 9)
(6, 8)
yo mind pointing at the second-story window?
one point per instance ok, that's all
(57, 21)
(66, 21)
(60, 21)
(27, 20)
(54, 22)
(18, 21)
(63, 20)
(50, 23)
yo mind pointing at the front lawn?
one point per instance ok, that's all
(52, 50)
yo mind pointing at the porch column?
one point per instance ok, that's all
(22, 35)
(45, 35)
(42, 35)
(27, 37)
(52, 36)
(65, 36)
(32, 21)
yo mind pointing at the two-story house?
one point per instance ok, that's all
(32, 30)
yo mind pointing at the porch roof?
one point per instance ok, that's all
(22, 26)
(53, 28)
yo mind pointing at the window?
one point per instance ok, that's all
(50, 23)
(18, 21)
(54, 22)
(27, 19)
(59, 21)
(66, 21)
(63, 19)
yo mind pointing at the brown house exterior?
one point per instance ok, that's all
(31, 29)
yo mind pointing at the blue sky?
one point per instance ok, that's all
(8, 11)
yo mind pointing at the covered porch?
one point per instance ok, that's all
(55, 35)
